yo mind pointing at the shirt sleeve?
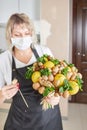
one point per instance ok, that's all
(4, 69)
(43, 50)
(46, 50)
(2, 80)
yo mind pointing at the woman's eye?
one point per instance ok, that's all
(27, 33)
(17, 35)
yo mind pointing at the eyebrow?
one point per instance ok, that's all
(20, 32)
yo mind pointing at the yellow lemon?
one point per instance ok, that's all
(35, 76)
(60, 78)
(75, 87)
(48, 64)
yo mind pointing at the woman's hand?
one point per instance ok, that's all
(9, 91)
(52, 99)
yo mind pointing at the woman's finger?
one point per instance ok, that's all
(10, 86)
(9, 91)
(11, 94)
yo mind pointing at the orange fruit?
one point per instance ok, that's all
(35, 76)
(75, 87)
(60, 78)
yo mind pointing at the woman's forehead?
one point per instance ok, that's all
(20, 27)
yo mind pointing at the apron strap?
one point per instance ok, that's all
(14, 72)
(14, 65)
(34, 51)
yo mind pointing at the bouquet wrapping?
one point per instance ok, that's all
(52, 77)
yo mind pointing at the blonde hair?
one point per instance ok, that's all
(19, 19)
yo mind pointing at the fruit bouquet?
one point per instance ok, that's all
(51, 76)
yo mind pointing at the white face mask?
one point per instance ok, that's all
(22, 43)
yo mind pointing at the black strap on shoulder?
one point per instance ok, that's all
(34, 51)
(14, 75)
(14, 65)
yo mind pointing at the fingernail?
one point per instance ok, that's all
(18, 85)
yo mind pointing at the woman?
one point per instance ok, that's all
(13, 64)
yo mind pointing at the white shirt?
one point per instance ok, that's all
(6, 63)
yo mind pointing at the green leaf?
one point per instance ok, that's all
(65, 71)
(48, 90)
(55, 61)
(61, 89)
(65, 61)
(29, 72)
(65, 87)
(49, 105)
(70, 65)
(80, 82)
(42, 58)
(45, 71)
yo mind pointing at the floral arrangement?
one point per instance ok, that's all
(51, 76)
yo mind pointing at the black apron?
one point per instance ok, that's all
(33, 118)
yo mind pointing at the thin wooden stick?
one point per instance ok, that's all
(23, 98)
(14, 82)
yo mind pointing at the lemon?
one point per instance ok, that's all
(60, 78)
(48, 64)
(35, 76)
(75, 87)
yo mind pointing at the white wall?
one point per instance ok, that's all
(3, 43)
(7, 7)
(30, 7)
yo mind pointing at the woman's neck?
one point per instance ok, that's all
(23, 55)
